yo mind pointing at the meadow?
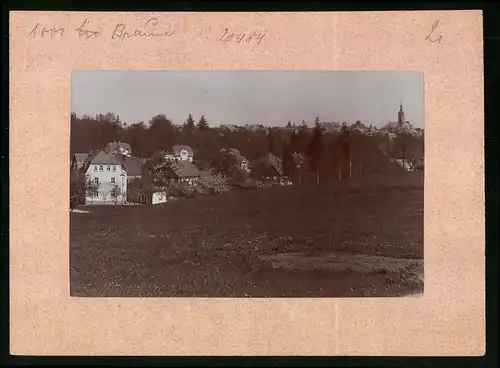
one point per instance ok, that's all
(347, 239)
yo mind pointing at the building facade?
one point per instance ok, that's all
(180, 153)
(107, 177)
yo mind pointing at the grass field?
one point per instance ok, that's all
(348, 239)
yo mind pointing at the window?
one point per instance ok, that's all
(112, 180)
(108, 168)
(95, 168)
(114, 168)
(100, 168)
(96, 180)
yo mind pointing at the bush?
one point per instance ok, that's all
(180, 190)
(214, 184)
(208, 185)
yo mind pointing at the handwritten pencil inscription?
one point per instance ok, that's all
(121, 32)
(41, 31)
(238, 37)
(86, 33)
(432, 38)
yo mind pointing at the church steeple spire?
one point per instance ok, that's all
(401, 114)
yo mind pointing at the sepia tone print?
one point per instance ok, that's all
(246, 184)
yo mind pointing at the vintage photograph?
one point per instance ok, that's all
(246, 184)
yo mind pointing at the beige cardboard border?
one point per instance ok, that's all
(448, 320)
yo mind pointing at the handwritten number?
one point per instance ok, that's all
(42, 31)
(225, 33)
(149, 30)
(433, 40)
(241, 37)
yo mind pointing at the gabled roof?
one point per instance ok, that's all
(178, 147)
(131, 165)
(102, 158)
(81, 157)
(184, 169)
(90, 157)
(275, 162)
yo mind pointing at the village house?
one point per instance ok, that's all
(272, 166)
(180, 153)
(118, 148)
(132, 166)
(242, 163)
(358, 126)
(106, 172)
(410, 164)
(175, 172)
(182, 172)
(123, 154)
(298, 159)
(405, 164)
(276, 163)
(78, 160)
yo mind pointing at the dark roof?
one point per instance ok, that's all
(131, 165)
(178, 147)
(102, 158)
(89, 158)
(205, 173)
(275, 162)
(236, 153)
(81, 157)
(184, 169)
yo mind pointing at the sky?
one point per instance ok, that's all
(251, 97)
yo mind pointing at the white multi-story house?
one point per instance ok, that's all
(107, 173)
(180, 153)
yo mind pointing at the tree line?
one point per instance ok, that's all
(322, 155)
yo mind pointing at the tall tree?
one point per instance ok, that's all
(189, 123)
(345, 152)
(189, 127)
(295, 142)
(316, 122)
(289, 125)
(137, 136)
(270, 140)
(302, 139)
(160, 134)
(202, 123)
(288, 162)
(315, 151)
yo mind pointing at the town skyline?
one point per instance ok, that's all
(269, 98)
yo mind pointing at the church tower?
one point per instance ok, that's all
(401, 115)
